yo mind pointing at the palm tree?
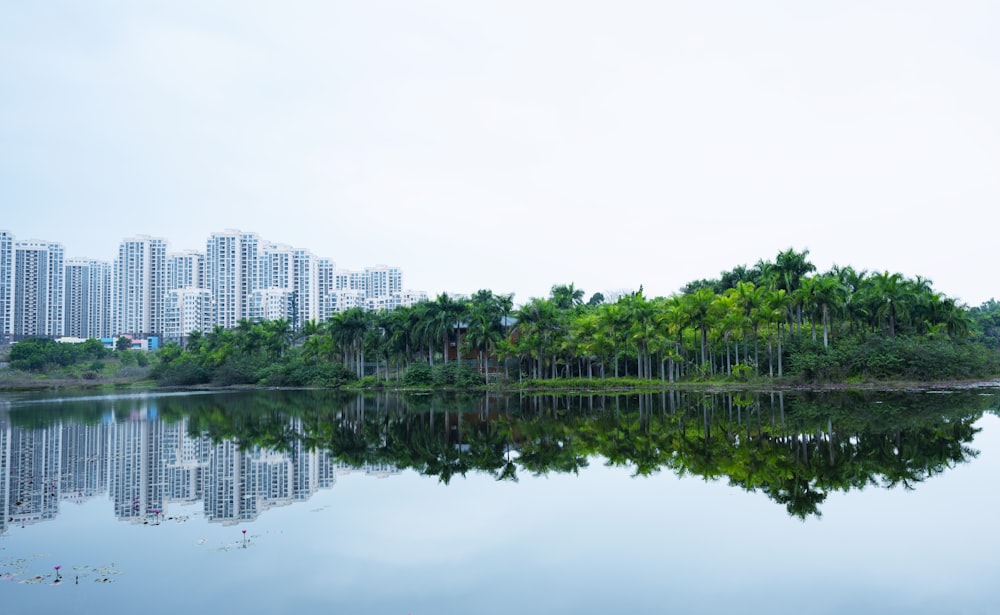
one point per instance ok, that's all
(828, 293)
(566, 296)
(399, 338)
(444, 315)
(484, 329)
(674, 319)
(750, 299)
(698, 305)
(249, 336)
(853, 282)
(536, 324)
(613, 319)
(789, 268)
(591, 341)
(777, 305)
(888, 293)
(277, 336)
(348, 329)
(639, 313)
(318, 344)
(728, 317)
(937, 310)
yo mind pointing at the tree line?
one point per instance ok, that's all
(776, 319)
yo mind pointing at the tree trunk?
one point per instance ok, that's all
(826, 337)
(781, 371)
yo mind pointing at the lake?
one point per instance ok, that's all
(673, 502)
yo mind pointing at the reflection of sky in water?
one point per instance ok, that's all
(601, 542)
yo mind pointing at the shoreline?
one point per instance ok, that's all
(612, 389)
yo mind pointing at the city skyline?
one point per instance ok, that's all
(150, 291)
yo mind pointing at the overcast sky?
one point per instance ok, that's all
(514, 145)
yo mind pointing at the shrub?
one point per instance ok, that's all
(298, 373)
(418, 375)
(455, 374)
(884, 358)
(239, 370)
(742, 372)
(182, 371)
(38, 354)
(368, 382)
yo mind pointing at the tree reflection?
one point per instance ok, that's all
(793, 448)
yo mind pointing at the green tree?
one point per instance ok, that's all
(566, 296)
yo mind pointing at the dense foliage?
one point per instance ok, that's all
(776, 319)
(36, 354)
(986, 323)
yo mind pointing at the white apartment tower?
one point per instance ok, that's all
(293, 270)
(232, 273)
(186, 270)
(326, 281)
(6, 284)
(37, 308)
(383, 281)
(410, 298)
(140, 280)
(87, 311)
(277, 266)
(345, 279)
(186, 310)
(272, 304)
(343, 300)
(306, 287)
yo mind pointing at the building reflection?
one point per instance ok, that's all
(144, 465)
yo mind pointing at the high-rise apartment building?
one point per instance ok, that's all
(409, 298)
(383, 281)
(186, 310)
(232, 273)
(140, 281)
(345, 279)
(186, 270)
(305, 283)
(277, 266)
(87, 296)
(326, 281)
(273, 304)
(343, 300)
(6, 284)
(38, 289)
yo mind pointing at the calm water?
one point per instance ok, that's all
(666, 503)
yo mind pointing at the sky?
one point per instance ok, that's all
(514, 145)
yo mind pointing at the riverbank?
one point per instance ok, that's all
(595, 387)
(41, 383)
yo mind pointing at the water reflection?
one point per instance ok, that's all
(241, 454)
